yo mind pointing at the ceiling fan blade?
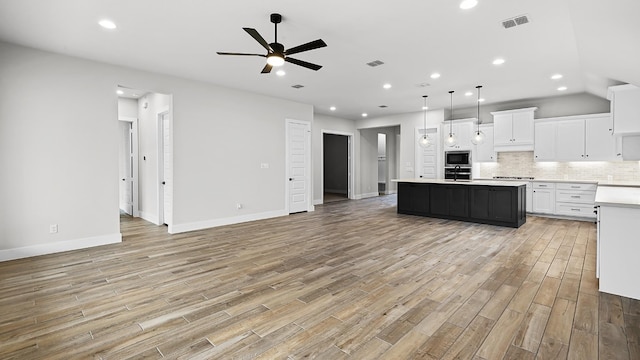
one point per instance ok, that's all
(254, 34)
(243, 54)
(266, 69)
(308, 65)
(306, 47)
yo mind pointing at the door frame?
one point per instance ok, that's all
(134, 146)
(350, 162)
(160, 166)
(309, 182)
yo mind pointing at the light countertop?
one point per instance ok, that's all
(598, 182)
(618, 196)
(463, 182)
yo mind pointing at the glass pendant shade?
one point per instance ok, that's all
(424, 141)
(478, 138)
(451, 140)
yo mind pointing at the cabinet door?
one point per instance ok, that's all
(502, 204)
(600, 142)
(484, 152)
(413, 198)
(522, 128)
(479, 202)
(544, 201)
(459, 199)
(439, 200)
(570, 140)
(502, 129)
(529, 197)
(544, 148)
(462, 131)
(626, 111)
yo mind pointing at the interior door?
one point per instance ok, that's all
(427, 158)
(126, 167)
(167, 169)
(299, 165)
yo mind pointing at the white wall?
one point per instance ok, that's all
(408, 123)
(127, 108)
(61, 147)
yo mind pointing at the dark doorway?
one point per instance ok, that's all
(336, 167)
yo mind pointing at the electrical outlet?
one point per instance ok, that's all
(264, 166)
(239, 206)
(53, 228)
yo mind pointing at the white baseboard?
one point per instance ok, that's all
(318, 202)
(367, 195)
(59, 246)
(199, 225)
(152, 218)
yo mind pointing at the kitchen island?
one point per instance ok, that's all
(492, 202)
(618, 245)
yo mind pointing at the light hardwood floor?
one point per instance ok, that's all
(352, 280)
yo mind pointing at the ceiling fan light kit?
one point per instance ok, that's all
(277, 55)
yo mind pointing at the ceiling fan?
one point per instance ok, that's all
(276, 53)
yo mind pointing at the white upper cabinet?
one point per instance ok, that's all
(625, 109)
(462, 129)
(484, 152)
(544, 148)
(513, 130)
(576, 138)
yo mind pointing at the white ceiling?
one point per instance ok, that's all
(593, 43)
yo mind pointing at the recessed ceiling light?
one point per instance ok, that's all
(562, 88)
(333, 108)
(468, 93)
(281, 73)
(435, 75)
(119, 92)
(107, 24)
(498, 61)
(364, 114)
(468, 4)
(134, 95)
(387, 86)
(425, 108)
(556, 76)
(481, 100)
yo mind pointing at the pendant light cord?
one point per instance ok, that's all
(425, 114)
(479, 87)
(451, 110)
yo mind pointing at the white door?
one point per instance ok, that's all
(126, 167)
(427, 158)
(298, 165)
(167, 169)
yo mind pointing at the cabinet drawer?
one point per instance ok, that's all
(584, 197)
(575, 186)
(580, 210)
(544, 185)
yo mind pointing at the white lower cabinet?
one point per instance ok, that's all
(529, 197)
(543, 197)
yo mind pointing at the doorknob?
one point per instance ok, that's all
(163, 183)
(290, 179)
(123, 180)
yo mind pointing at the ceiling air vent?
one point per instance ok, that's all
(375, 63)
(515, 21)
(297, 86)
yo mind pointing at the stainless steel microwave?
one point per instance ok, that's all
(457, 158)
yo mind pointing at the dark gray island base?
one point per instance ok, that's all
(487, 202)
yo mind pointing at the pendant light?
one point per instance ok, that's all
(451, 140)
(425, 140)
(478, 136)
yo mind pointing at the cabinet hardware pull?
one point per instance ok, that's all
(572, 209)
(575, 187)
(575, 196)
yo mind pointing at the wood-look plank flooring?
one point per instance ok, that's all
(352, 280)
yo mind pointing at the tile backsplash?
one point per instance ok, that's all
(522, 164)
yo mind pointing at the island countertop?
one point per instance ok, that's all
(618, 196)
(463, 182)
